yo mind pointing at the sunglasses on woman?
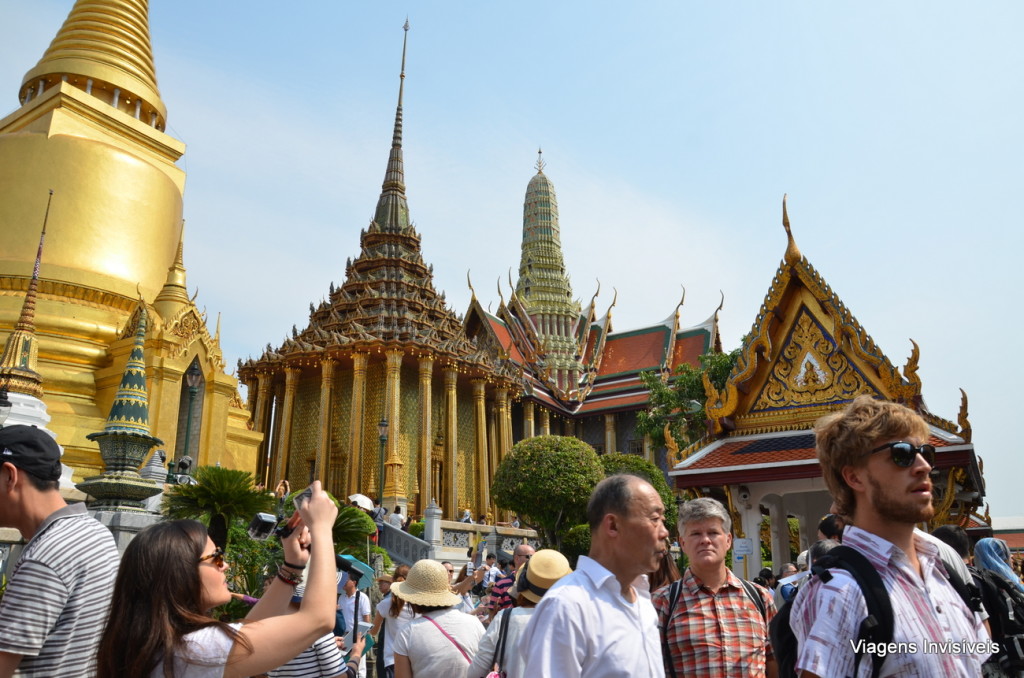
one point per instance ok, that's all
(904, 454)
(216, 558)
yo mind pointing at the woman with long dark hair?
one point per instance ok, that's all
(393, 614)
(172, 575)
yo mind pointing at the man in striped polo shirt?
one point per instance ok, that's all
(58, 595)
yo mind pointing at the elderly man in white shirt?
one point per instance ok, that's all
(593, 622)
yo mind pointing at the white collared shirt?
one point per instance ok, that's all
(927, 613)
(583, 626)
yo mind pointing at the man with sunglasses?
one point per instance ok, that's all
(58, 594)
(876, 461)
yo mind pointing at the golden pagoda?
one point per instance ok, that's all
(90, 128)
(385, 348)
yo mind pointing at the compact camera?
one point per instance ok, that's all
(265, 524)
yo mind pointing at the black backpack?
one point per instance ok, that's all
(673, 598)
(877, 627)
(1004, 602)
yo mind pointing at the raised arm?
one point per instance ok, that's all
(276, 640)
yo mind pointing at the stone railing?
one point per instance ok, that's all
(403, 547)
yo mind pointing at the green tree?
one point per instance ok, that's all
(547, 480)
(219, 498)
(679, 402)
(638, 466)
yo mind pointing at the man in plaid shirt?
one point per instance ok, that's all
(715, 628)
(499, 592)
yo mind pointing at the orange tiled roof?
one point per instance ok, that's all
(688, 349)
(635, 351)
(613, 402)
(504, 338)
(1015, 540)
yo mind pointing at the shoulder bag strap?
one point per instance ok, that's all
(450, 638)
(499, 652)
(673, 597)
(755, 597)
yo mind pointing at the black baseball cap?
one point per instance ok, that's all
(32, 450)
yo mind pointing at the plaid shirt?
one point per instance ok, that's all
(500, 599)
(715, 634)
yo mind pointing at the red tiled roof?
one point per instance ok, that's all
(688, 349)
(505, 339)
(644, 350)
(597, 405)
(588, 354)
(1015, 540)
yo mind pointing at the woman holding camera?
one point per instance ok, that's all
(172, 575)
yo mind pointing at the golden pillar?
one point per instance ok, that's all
(528, 419)
(648, 449)
(393, 406)
(355, 437)
(609, 434)
(508, 426)
(426, 425)
(451, 441)
(492, 435)
(483, 490)
(261, 410)
(291, 382)
(323, 470)
(545, 422)
(504, 430)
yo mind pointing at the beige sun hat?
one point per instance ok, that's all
(540, 573)
(427, 584)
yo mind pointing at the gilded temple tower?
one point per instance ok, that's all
(90, 127)
(544, 289)
(383, 348)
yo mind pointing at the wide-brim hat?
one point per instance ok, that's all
(540, 573)
(427, 584)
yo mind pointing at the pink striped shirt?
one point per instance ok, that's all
(928, 615)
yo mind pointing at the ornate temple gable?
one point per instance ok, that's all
(176, 336)
(804, 354)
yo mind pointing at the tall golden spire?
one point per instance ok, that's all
(103, 48)
(174, 294)
(21, 352)
(394, 177)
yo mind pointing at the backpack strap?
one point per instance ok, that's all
(755, 596)
(499, 651)
(877, 627)
(673, 597)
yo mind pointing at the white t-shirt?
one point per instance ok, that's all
(392, 626)
(430, 653)
(347, 604)
(396, 520)
(205, 656)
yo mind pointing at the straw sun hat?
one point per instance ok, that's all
(539, 574)
(427, 584)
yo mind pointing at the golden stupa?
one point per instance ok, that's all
(90, 126)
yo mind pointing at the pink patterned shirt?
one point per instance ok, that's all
(934, 634)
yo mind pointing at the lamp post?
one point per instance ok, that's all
(382, 431)
(5, 406)
(192, 378)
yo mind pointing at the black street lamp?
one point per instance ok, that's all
(192, 377)
(5, 406)
(382, 431)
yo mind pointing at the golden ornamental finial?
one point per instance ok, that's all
(792, 252)
(470, 283)
(540, 161)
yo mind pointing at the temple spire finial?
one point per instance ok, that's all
(540, 161)
(20, 356)
(792, 251)
(394, 177)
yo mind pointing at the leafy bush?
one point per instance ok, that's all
(547, 480)
(219, 498)
(576, 543)
(416, 529)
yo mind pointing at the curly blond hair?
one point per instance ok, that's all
(845, 438)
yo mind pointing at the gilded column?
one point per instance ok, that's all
(545, 422)
(648, 449)
(528, 419)
(426, 426)
(501, 394)
(492, 436)
(609, 434)
(393, 410)
(291, 382)
(451, 441)
(261, 410)
(355, 438)
(483, 490)
(323, 452)
(508, 426)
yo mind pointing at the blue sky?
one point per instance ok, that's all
(671, 130)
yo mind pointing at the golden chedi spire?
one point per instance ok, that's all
(104, 49)
(21, 352)
(174, 294)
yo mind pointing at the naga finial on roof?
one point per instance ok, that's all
(792, 252)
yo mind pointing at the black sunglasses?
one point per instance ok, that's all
(904, 454)
(216, 558)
